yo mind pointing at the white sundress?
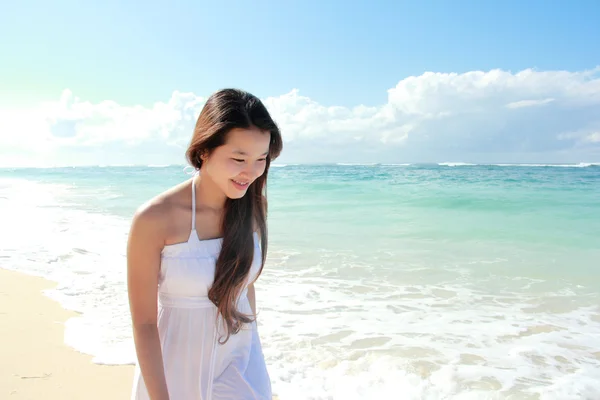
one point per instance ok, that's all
(196, 365)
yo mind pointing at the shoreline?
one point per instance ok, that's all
(36, 362)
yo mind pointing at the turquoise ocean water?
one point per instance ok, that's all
(450, 281)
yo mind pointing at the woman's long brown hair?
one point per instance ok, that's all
(223, 111)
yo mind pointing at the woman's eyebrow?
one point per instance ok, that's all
(243, 153)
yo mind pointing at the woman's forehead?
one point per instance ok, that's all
(248, 142)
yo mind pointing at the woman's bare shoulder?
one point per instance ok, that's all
(158, 212)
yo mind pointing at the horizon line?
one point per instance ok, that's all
(341, 163)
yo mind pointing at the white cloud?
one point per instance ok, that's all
(477, 116)
(529, 103)
(592, 138)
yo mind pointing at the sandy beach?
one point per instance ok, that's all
(35, 362)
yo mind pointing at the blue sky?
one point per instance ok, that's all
(335, 54)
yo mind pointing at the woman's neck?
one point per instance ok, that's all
(209, 194)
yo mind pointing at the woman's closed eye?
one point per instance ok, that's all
(239, 160)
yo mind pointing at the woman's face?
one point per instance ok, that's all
(239, 161)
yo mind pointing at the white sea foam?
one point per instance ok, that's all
(371, 339)
(334, 324)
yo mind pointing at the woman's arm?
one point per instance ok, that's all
(143, 262)
(252, 297)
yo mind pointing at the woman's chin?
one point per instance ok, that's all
(235, 196)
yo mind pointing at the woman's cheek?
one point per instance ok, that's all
(233, 168)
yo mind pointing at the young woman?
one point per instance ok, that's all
(193, 255)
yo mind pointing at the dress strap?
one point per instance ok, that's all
(194, 203)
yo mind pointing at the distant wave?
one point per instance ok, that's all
(357, 164)
(580, 165)
(282, 165)
(455, 164)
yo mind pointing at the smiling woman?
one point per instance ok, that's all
(203, 244)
